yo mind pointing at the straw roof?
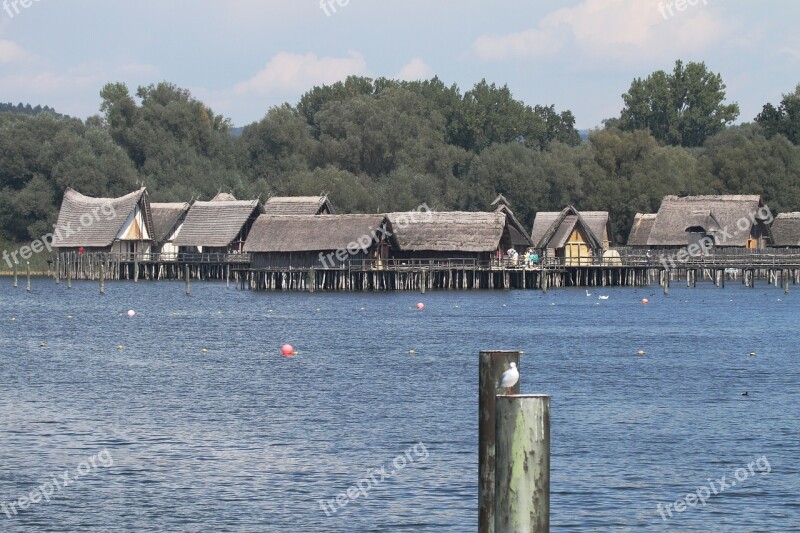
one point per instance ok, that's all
(640, 232)
(165, 218)
(298, 205)
(786, 230)
(516, 231)
(96, 230)
(551, 230)
(447, 231)
(310, 233)
(216, 223)
(723, 217)
(224, 197)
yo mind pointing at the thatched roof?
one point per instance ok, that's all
(551, 230)
(96, 230)
(224, 197)
(447, 231)
(311, 233)
(516, 231)
(640, 232)
(786, 230)
(717, 215)
(165, 218)
(216, 224)
(298, 205)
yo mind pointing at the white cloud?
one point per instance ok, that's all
(299, 72)
(11, 52)
(611, 31)
(416, 69)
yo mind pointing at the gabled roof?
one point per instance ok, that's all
(165, 218)
(311, 233)
(517, 232)
(96, 222)
(562, 224)
(216, 223)
(786, 230)
(640, 231)
(224, 197)
(298, 205)
(447, 231)
(729, 218)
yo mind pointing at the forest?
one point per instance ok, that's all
(378, 145)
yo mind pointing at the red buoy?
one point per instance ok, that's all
(287, 350)
(420, 306)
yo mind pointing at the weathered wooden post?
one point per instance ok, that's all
(28, 269)
(492, 364)
(186, 277)
(58, 270)
(135, 268)
(16, 283)
(522, 491)
(69, 275)
(102, 277)
(228, 276)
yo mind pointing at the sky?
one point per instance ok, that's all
(242, 57)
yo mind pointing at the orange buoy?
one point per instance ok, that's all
(287, 350)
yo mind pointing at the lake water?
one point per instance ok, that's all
(238, 438)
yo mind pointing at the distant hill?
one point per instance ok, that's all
(27, 109)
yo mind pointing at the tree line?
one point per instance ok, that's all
(377, 145)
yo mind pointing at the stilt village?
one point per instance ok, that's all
(302, 244)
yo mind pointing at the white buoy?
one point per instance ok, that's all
(131, 313)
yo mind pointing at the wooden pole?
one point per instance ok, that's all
(102, 278)
(186, 276)
(16, 282)
(135, 268)
(522, 488)
(492, 364)
(28, 269)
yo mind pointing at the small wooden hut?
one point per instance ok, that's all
(220, 226)
(298, 205)
(430, 235)
(167, 223)
(576, 237)
(116, 225)
(709, 222)
(515, 233)
(786, 230)
(287, 242)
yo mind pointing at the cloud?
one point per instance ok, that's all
(416, 69)
(11, 52)
(610, 31)
(299, 72)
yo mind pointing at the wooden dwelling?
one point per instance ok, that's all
(112, 225)
(710, 222)
(786, 231)
(220, 226)
(287, 242)
(576, 237)
(515, 233)
(167, 223)
(640, 231)
(425, 235)
(298, 205)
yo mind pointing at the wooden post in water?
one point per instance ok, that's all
(69, 275)
(135, 268)
(16, 283)
(28, 269)
(492, 364)
(228, 276)
(522, 488)
(186, 276)
(102, 277)
(785, 282)
(58, 270)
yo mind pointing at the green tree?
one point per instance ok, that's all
(783, 120)
(683, 108)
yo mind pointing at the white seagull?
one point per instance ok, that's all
(509, 378)
(601, 297)
(588, 293)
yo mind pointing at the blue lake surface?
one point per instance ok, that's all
(238, 438)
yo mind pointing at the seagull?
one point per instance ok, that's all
(603, 297)
(588, 293)
(509, 378)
